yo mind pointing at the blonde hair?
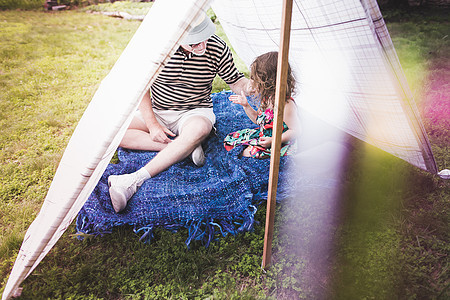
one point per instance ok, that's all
(264, 76)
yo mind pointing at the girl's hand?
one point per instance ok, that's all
(239, 99)
(265, 141)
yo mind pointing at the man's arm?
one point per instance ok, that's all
(158, 133)
(146, 110)
(242, 85)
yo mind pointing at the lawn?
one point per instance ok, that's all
(389, 233)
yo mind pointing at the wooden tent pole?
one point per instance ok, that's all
(280, 95)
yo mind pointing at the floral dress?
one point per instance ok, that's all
(250, 137)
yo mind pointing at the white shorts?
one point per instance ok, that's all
(175, 119)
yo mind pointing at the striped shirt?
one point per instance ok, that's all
(186, 80)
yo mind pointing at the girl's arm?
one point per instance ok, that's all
(291, 119)
(242, 100)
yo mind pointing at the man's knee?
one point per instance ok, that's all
(138, 124)
(196, 129)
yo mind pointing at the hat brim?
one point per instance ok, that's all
(200, 33)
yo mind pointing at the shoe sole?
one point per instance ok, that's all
(118, 200)
(198, 156)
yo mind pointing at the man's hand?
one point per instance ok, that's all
(239, 99)
(160, 134)
(250, 90)
(243, 85)
(265, 141)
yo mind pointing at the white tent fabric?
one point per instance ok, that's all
(341, 53)
(347, 70)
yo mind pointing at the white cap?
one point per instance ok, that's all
(203, 29)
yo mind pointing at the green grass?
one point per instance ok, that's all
(390, 233)
(51, 65)
(133, 8)
(21, 4)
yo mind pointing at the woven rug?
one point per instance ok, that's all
(219, 198)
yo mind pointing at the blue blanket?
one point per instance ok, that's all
(219, 198)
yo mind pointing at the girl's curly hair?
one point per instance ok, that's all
(264, 76)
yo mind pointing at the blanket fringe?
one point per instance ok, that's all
(204, 230)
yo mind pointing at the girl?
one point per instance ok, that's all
(263, 76)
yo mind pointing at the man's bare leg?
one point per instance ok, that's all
(194, 131)
(137, 137)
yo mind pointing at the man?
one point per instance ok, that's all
(179, 106)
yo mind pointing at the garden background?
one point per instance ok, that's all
(391, 240)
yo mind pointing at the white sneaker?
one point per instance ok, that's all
(198, 156)
(121, 189)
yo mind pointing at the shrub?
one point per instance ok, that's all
(21, 4)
